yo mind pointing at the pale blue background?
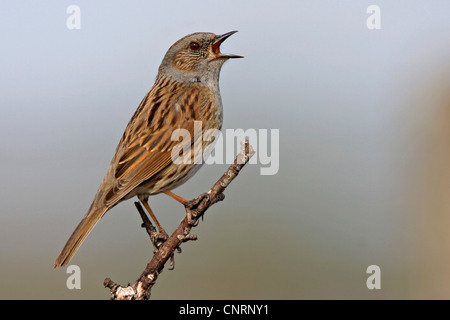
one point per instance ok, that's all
(364, 120)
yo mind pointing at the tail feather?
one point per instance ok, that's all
(91, 218)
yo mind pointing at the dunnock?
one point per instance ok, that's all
(186, 90)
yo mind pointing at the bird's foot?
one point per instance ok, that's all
(158, 238)
(192, 206)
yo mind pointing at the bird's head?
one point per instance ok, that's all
(197, 54)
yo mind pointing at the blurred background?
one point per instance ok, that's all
(364, 174)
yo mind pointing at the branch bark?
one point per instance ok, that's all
(165, 248)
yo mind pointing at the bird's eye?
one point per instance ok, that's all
(194, 46)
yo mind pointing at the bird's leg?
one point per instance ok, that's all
(156, 237)
(149, 210)
(188, 203)
(184, 202)
(181, 200)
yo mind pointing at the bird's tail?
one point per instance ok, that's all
(80, 233)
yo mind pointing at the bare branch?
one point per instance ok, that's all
(164, 250)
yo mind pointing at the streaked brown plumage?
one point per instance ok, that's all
(186, 90)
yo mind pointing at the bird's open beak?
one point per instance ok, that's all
(216, 47)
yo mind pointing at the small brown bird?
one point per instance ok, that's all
(186, 90)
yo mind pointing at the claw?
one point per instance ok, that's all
(195, 202)
(172, 262)
(194, 224)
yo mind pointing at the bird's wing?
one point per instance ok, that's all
(146, 146)
(144, 150)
